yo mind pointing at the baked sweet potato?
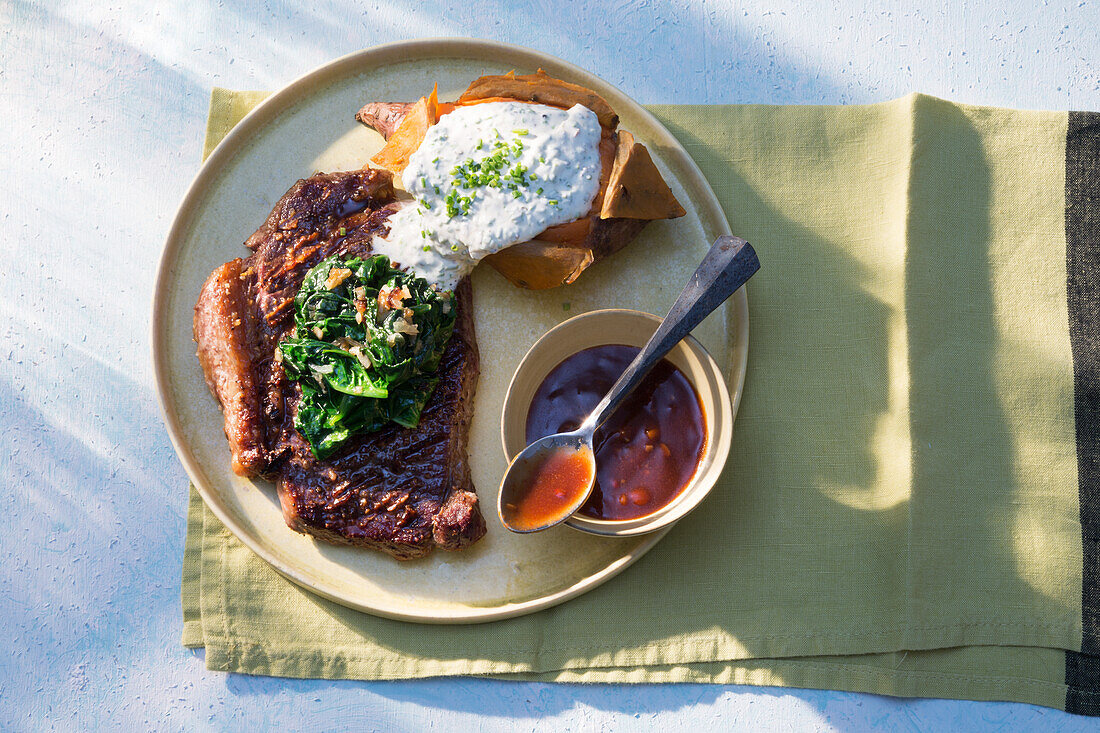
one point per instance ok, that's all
(632, 191)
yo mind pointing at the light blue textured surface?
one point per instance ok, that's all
(102, 108)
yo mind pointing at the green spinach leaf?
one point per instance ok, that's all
(367, 339)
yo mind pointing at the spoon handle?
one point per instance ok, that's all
(729, 263)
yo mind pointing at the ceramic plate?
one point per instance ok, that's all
(309, 126)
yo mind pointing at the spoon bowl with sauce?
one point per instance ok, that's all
(552, 478)
(558, 480)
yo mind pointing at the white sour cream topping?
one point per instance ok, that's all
(489, 176)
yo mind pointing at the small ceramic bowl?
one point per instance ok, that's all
(632, 328)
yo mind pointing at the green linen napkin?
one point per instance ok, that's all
(911, 502)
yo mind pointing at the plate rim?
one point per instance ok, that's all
(286, 97)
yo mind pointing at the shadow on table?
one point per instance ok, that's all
(501, 698)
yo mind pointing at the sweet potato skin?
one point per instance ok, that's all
(636, 189)
(539, 265)
(540, 88)
(385, 117)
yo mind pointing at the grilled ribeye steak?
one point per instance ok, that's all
(399, 490)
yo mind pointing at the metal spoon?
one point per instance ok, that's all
(727, 266)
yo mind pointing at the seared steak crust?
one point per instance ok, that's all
(397, 490)
(224, 326)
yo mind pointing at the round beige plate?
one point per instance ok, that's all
(309, 126)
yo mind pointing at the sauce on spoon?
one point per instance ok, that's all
(560, 479)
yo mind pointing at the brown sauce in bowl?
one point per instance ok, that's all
(648, 451)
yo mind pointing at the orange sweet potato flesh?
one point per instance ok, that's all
(632, 191)
(409, 134)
